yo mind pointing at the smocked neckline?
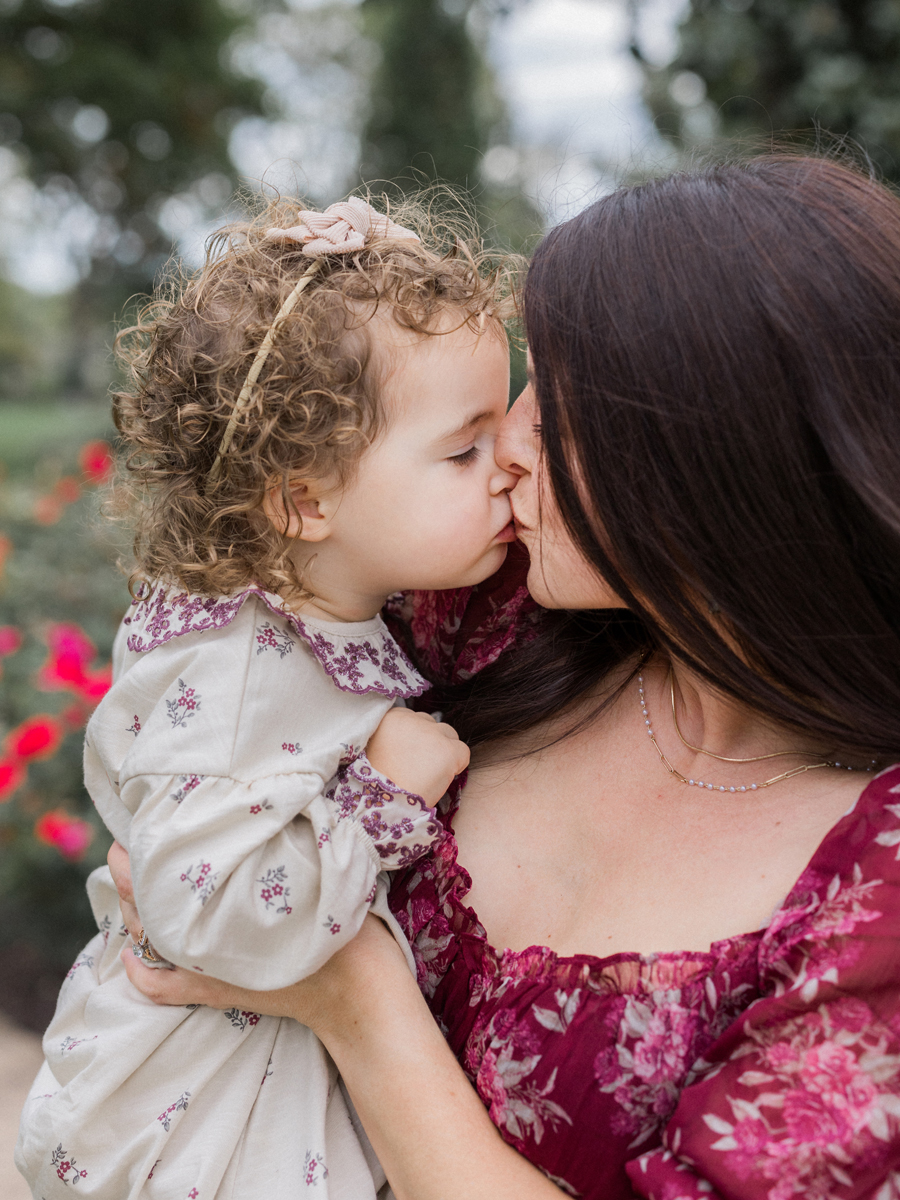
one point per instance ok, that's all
(517, 963)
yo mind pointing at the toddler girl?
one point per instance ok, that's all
(310, 429)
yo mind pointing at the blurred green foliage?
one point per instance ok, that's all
(121, 105)
(785, 67)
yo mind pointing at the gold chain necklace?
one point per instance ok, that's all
(716, 787)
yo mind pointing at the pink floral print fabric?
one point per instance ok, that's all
(767, 1068)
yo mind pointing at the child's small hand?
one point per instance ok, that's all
(417, 753)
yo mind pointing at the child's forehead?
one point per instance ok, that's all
(443, 375)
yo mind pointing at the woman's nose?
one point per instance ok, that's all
(514, 449)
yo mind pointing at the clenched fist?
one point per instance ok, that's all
(417, 753)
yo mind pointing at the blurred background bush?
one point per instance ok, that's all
(127, 130)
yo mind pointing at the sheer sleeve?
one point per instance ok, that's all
(801, 1095)
(454, 634)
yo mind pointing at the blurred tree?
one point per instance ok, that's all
(785, 65)
(434, 113)
(114, 108)
(425, 110)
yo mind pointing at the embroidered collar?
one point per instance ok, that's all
(358, 661)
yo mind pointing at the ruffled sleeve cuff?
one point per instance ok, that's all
(399, 824)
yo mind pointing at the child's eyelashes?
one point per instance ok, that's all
(536, 430)
(467, 456)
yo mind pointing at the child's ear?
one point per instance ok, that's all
(306, 517)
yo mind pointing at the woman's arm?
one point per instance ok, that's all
(426, 1123)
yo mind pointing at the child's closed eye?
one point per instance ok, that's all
(467, 456)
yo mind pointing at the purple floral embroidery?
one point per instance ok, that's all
(193, 1194)
(187, 783)
(205, 883)
(185, 706)
(70, 1043)
(136, 727)
(83, 960)
(331, 925)
(65, 1166)
(268, 637)
(324, 836)
(241, 1019)
(376, 664)
(261, 807)
(165, 1118)
(292, 747)
(314, 1169)
(274, 891)
(385, 812)
(105, 926)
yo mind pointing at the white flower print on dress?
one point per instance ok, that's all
(314, 1169)
(263, 806)
(269, 637)
(186, 784)
(136, 727)
(891, 837)
(65, 1166)
(331, 924)
(205, 883)
(831, 1096)
(180, 1105)
(274, 891)
(818, 927)
(292, 747)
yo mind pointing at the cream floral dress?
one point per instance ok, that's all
(228, 759)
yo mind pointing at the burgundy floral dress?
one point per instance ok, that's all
(768, 1067)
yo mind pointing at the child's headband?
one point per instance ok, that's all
(341, 229)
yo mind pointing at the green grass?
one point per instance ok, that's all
(32, 432)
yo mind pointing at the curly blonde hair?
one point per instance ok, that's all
(316, 406)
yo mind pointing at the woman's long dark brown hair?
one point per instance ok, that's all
(717, 363)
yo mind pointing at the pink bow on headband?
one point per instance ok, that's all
(341, 228)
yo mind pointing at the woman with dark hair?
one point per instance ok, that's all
(680, 830)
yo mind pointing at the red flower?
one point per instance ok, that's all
(67, 490)
(71, 650)
(37, 737)
(96, 461)
(47, 510)
(10, 639)
(12, 776)
(70, 835)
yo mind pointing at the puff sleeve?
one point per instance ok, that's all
(801, 1095)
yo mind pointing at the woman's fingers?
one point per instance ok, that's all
(131, 920)
(120, 869)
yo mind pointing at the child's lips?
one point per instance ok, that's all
(507, 533)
